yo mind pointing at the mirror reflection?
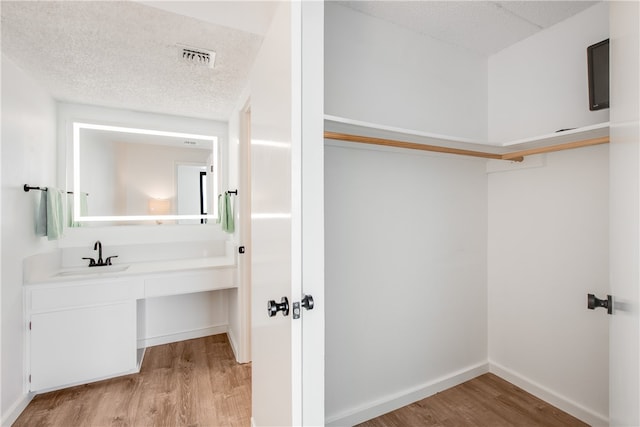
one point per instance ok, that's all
(143, 174)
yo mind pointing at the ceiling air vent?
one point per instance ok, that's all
(198, 56)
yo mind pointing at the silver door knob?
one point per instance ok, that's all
(273, 307)
(307, 302)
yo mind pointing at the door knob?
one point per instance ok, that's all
(273, 307)
(307, 302)
(593, 302)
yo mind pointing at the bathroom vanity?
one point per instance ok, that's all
(174, 272)
(83, 321)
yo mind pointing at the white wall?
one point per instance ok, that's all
(548, 226)
(539, 85)
(170, 319)
(405, 248)
(548, 248)
(378, 72)
(405, 288)
(28, 157)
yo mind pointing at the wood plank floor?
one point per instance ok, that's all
(484, 401)
(188, 383)
(198, 383)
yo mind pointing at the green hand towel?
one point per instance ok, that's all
(225, 213)
(41, 215)
(228, 225)
(55, 217)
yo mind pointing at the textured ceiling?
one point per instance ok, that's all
(251, 16)
(124, 55)
(484, 27)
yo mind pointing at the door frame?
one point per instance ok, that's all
(312, 210)
(624, 214)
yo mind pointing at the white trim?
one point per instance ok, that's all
(140, 352)
(182, 336)
(12, 414)
(556, 399)
(234, 346)
(397, 400)
(402, 398)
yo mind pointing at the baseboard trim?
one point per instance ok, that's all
(181, 336)
(397, 400)
(16, 409)
(234, 347)
(562, 402)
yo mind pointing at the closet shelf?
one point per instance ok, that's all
(342, 129)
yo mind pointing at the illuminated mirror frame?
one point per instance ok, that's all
(76, 173)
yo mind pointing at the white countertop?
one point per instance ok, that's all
(132, 269)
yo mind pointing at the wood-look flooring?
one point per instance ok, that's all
(483, 401)
(198, 383)
(188, 383)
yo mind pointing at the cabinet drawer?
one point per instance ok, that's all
(74, 295)
(189, 282)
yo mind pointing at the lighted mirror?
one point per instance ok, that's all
(130, 174)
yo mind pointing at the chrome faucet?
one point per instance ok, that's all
(92, 262)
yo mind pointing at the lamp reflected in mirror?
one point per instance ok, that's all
(159, 207)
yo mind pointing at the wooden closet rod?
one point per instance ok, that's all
(558, 147)
(515, 156)
(410, 145)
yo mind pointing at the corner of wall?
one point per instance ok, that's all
(369, 410)
(12, 414)
(234, 346)
(523, 101)
(550, 396)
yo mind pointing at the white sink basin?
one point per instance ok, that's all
(90, 271)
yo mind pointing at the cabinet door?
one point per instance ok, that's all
(81, 345)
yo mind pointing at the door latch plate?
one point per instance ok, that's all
(296, 310)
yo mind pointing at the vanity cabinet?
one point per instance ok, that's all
(86, 329)
(81, 331)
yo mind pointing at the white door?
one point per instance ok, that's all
(278, 265)
(624, 356)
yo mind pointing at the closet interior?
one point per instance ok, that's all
(464, 224)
